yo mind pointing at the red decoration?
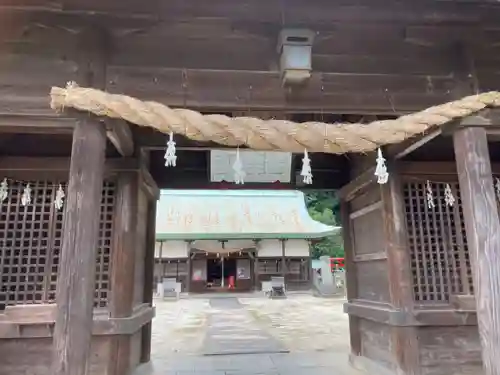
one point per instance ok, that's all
(336, 263)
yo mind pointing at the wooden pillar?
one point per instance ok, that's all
(188, 281)
(76, 277)
(223, 274)
(123, 266)
(351, 277)
(160, 262)
(256, 265)
(163, 265)
(404, 339)
(283, 258)
(310, 267)
(124, 243)
(148, 279)
(309, 273)
(483, 236)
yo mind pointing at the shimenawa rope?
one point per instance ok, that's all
(267, 134)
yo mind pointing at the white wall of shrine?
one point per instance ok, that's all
(171, 249)
(293, 248)
(267, 248)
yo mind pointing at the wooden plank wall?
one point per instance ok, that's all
(450, 350)
(369, 253)
(368, 265)
(372, 56)
(392, 327)
(34, 340)
(34, 355)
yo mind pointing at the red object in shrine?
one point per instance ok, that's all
(336, 263)
(230, 283)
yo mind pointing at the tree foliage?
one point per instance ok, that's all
(323, 206)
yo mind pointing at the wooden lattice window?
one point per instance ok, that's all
(298, 269)
(269, 266)
(104, 245)
(30, 245)
(170, 269)
(174, 268)
(440, 260)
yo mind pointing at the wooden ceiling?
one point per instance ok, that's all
(369, 56)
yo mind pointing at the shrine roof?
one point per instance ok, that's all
(236, 214)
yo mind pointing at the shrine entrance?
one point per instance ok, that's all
(221, 273)
(106, 103)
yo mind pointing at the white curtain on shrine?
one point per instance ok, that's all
(213, 246)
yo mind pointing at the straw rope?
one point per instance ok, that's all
(267, 134)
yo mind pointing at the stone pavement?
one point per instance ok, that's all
(313, 363)
(250, 336)
(232, 330)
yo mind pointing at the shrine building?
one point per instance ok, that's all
(213, 240)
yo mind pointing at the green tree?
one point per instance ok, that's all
(323, 206)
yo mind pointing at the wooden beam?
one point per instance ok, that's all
(76, 277)
(21, 163)
(441, 168)
(433, 35)
(400, 150)
(123, 266)
(322, 13)
(149, 184)
(488, 118)
(25, 81)
(229, 90)
(120, 135)
(35, 124)
(482, 226)
(211, 90)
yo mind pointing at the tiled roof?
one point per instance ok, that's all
(236, 214)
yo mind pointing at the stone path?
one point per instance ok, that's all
(232, 330)
(201, 336)
(253, 364)
(303, 323)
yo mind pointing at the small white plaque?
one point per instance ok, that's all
(259, 166)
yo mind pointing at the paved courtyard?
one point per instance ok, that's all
(250, 335)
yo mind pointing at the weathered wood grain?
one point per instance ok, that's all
(482, 226)
(245, 90)
(33, 356)
(32, 164)
(120, 135)
(149, 264)
(75, 287)
(356, 185)
(123, 253)
(404, 339)
(123, 266)
(351, 276)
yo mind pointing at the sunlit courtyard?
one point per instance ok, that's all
(250, 334)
